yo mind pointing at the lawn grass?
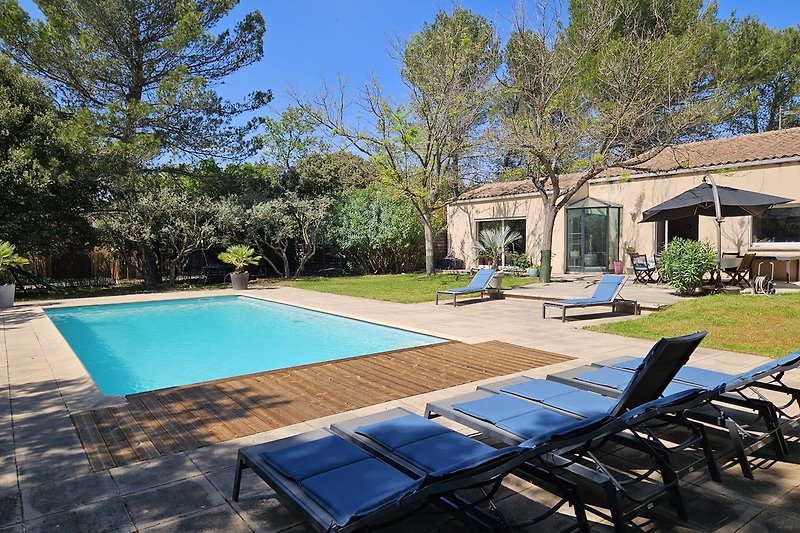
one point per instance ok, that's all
(401, 288)
(764, 325)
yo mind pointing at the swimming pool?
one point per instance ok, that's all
(129, 348)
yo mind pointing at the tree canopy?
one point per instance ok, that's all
(141, 71)
(49, 188)
(586, 97)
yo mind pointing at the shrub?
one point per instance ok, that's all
(684, 262)
(377, 231)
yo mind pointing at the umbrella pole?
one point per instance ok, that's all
(718, 212)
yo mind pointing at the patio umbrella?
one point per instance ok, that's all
(700, 201)
(709, 199)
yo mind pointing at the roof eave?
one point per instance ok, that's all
(694, 170)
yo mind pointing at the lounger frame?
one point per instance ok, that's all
(622, 504)
(745, 439)
(613, 304)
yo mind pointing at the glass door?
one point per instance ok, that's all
(592, 238)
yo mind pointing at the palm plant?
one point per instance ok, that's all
(492, 242)
(240, 256)
(9, 258)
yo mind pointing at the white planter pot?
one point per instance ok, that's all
(7, 295)
(533, 272)
(239, 280)
(497, 281)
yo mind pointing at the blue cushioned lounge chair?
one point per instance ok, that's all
(606, 293)
(513, 411)
(339, 483)
(479, 283)
(742, 390)
(423, 447)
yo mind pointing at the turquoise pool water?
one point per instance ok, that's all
(130, 348)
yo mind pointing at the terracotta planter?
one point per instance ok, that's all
(239, 280)
(7, 295)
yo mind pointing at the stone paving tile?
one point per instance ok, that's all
(53, 497)
(251, 484)
(788, 504)
(708, 511)
(10, 508)
(52, 465)
(220, 518)
(109, 515)
(173, 500)
(266, 514)
(772, 522)
(154, 472)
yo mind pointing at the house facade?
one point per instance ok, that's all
(603, 219)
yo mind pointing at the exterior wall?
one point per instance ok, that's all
(635, 195)
(463, 218)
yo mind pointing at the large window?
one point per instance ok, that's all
(513, 224)
(779, 225)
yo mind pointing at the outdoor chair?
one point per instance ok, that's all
(377, 470)
(740, 273)
(643, 269)
(480, 283)
(736, 391)
(516, 409)
(606, 293)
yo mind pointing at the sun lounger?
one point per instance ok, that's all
(513, 412)
(479, 283)
(606, 293)
(338, 485)
(419, 445)
(745, 390)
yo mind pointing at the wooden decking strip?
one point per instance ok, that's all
(153, 424)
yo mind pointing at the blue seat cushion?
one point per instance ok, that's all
(536, 423)
(562, 396)
(492, 409)
(309, 458)
(358, 489)
(630, 364)
(402, 430)
(786, 362)
(708, 379)
(580, 301)
(582, 403)
(461, 290)
(447, 453)
(537, 389)
(613, 378)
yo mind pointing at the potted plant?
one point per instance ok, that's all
(240, 256)
(533, 270)
(492, 243)
(617, 267)
(8, 258)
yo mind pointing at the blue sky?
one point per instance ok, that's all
(308, 41)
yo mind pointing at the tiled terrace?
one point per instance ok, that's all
(47, 480)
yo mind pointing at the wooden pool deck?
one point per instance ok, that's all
(163, 422)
